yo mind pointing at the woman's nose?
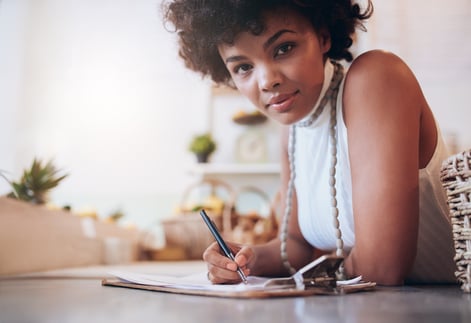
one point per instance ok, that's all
(269, 78)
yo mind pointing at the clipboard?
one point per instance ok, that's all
(361, 287)
(316, 278)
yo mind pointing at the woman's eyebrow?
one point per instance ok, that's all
(277, 35)
(233, 59)
(267, 44)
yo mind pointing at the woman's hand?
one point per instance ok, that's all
(222, 270)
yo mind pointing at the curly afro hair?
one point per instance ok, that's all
(203, 24)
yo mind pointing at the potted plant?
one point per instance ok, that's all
(202, 146)
(36, 182)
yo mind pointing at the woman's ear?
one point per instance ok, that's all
(325, 41)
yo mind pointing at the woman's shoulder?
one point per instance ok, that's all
(378, 65)
(375, 56)
(377, 79)
(381, 89)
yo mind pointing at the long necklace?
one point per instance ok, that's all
(331, 94)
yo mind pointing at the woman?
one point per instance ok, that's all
(361, 148)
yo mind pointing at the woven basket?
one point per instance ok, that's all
(256, 226)
(456, 179)
(187, 229)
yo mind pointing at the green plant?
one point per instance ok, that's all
(116, 216)
(202, 144)
(36, 182)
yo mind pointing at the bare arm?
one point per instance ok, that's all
(383, 109)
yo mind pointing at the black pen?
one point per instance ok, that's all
(227, 251)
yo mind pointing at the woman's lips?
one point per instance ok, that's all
(282, 103)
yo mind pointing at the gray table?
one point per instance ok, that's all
(72, 297)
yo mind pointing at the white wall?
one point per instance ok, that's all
(12, 41)
(432, 36)
(97, 85)
(99, 88)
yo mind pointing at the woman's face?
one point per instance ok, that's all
(282, 70)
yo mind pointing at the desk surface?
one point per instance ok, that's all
(76, 295)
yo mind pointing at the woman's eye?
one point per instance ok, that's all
(284, 49)
(242, 69)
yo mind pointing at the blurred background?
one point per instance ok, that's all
(97, 87)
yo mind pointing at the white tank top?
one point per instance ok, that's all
(435, 251)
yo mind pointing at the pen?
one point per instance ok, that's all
(212, 227)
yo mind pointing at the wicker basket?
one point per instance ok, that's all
(456, 179)
(187, 229)
(256, 226)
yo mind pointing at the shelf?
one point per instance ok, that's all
(236, 169)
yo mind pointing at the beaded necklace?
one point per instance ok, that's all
(330, 95)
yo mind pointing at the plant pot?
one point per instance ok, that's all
(202, 158)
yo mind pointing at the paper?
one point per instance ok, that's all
(321, 268)
(200, 281)
(197, 281)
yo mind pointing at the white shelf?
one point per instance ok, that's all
(236, 169)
